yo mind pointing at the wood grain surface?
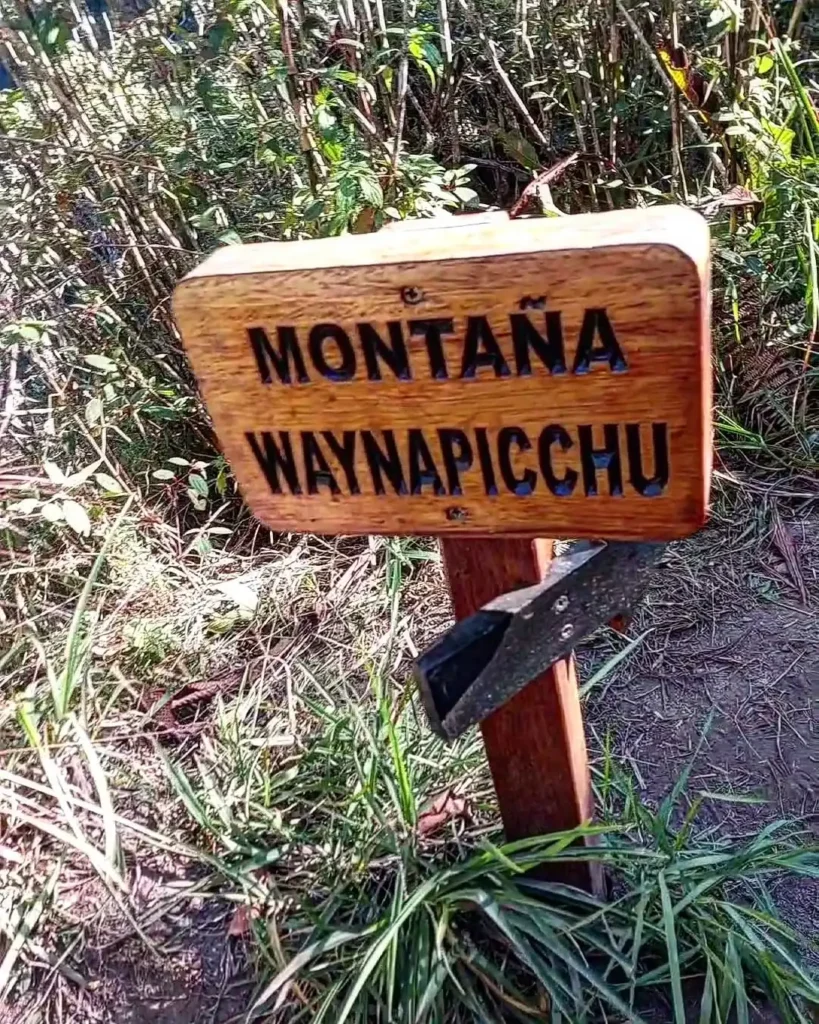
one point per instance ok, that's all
(479, 376)
(535, 743)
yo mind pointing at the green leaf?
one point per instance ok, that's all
(163, 474)
(26, 926)
(177, 460)
(76, 517)
(101, 363)
(313, 210)
(466, 195)
(371, 190)
(220, 35)
(230, 237)
(764, 64)
(198, 483)
(349, 77)
(608, 667)
(198, 502)
(29, 333)
(93, 411)
(673, 953)
(108, 483)
(520, 149)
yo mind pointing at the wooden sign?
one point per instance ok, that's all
(472, 376)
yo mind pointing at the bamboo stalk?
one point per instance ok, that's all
(492, 53)
(716, 162)
(297, 101)
(450, 88)
(796, 18)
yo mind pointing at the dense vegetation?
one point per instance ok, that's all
(136, 136)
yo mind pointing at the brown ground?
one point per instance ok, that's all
(734, 617)
(735, 634)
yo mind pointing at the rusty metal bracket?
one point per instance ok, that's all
(486, 659)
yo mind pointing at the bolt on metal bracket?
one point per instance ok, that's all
(485, 659)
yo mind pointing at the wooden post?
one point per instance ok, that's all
(535, 743)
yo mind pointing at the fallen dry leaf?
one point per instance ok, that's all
(786, 546)
(530, 194)
(738, 196)
(445, 807)
(241, 920)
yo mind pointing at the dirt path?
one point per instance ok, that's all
(734, 634)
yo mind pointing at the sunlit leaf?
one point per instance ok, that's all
(240, 594)
(53, 472)
(93, 410)
(26, 506)
(101, 363)
(76, 517)
(52, 512)
(82, 474)
(108, 483)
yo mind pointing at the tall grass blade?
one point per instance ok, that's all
(673, 953)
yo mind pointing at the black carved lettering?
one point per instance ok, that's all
(332, 332)
(479, 337)
(317, 472)
(345, 453)
(549, 349)
(457, 453)
(562, 486)
(485, 458)
(650, 487)
(387, 462)
(273, 459)
(268, 358)
(524, 484)
(593, 459)
(375, 348)
(423, 471)
(596, 324)
(431, 331)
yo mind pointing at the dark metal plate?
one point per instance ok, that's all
(487, 658)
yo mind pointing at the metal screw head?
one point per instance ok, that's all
(567, 631)
(411, 295)
(561, 604)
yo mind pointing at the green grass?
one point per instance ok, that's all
(361, 915)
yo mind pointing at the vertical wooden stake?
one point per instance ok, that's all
(535, 743)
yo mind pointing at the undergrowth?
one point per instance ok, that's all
(414, 911)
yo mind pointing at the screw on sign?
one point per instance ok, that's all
(490, 381)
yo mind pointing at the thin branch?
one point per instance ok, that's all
(716, 162)
(492, 53)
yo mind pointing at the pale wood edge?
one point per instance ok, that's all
(676, 227)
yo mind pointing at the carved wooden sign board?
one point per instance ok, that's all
(471, 376)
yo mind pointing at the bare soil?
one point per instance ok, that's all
(730, 665)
